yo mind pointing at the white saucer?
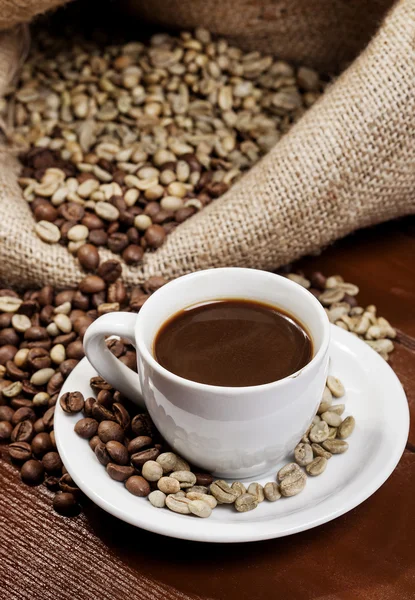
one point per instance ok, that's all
(374, 396)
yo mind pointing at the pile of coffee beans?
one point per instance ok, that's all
(41, 334)
(123, 142)
(133, 453)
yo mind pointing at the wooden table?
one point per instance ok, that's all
(368, 554)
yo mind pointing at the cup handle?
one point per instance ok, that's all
(112, 369)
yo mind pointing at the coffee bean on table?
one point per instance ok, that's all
(23, 432)
(67, 484)
(32, 472)
(66, 504)
(138, 486)
(41, 444)
(110, 270)
(52, 462)
(119, 472)
(72, 402)
(86, 428)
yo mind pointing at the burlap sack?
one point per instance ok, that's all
(349, 163)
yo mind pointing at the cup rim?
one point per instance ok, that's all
(146, 354)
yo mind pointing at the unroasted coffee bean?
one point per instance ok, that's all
(246, 502)
(100, 413)
(168, 485)
(119, 472)
(92, 284)
(72, 402)
(86, 428)
(52, 462)
(319, 451)
(167, 460)
(288, 469)
(303, 454)
(157, 499)
(88, 257)
(200, 508)
(109, 430)
(178, 504)
(152, 471)
(293, 484)
(335, 386)
(66, 504)
(138, 486)
(319, 432)
(346, 428)
(317, 466)
(331, 418)
(23, 432)
(118, 452)
(272, 491)
(223, 492)
(121, 415)
(256, 489)
(139, 458)
(20, 451)
(41, 444)
(6, 429)
(335, 446)
(32, 472)
(110, 270)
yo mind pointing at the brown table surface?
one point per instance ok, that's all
(367, 554)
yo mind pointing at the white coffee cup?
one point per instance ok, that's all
(232, 432)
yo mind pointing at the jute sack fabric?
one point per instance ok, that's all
(348, 163)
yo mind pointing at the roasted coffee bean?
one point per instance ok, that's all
(99, 383)
(38, 358)
(52, 483)
(142, 425)
(36, 334)
(138, 486)
(6, 413)
(153, 284)
(88, 257)
(67, 484)
(116, 347)
(7, 353)
(48, 417)
(139, 458)
(75, 350)
(89, 403)
(41, 444)
(92, 221)
(65, 339)
(110, 270)
(92, 284)
(117, 242)
(142, 442)
(98, 237)
(45, 296)
(121, 415)
(6, 429)
(67, 366)
(32, 472)
(14, 373)
(105, 398)
(5, 320)
(72, 402)
(154, 236)
(133, 254)
(100, 413)
(24, 414)
(110, 430)
(118, 452)
(8, 337)
(52, 462)
(94, 441)
(39, 426)
(23, 432)
(20, 451)
(117, 292)
(130, 360)
(119, 472)
(102, 454)
(66, 504)
(86, 428)
(55, 383)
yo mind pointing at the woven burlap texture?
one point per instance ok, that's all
(348, 163)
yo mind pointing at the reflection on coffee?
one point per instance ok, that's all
(233, 343)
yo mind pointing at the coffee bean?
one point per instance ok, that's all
(48, 417)
(52, 483)
(92, 221)
(6, 429)
(245, 503)
(100, 413)
(117, 292)
(157, 499)
(139, 458)
(346, 428)
(117, 242)
(152, 471)
(39, 426)
(118, 452)
(335, 386)
(52, 462)
(293, 484)
(91, 284)
(66, 504)
(138, 486)
(75, 350)
(303, 454)
(98, 237)
(23, 432)
(133, 254)
(35, 334)
(38, 359)
(141, 425)
(335, 446)
(256, 490)
(105, 398)
(102, 454)
(32, 472)
(54, 384)
(67, 484)
(317, 466)
(6, 413)
(121, 415)
(153, 284)
(86, 428)
(224, 493)
(272, 491)
(143, 442)
(72, 402)
(110, 270)
(109, 430)
(14, 372)
(10, 338)
(23, 414)
(67, 366)
(154, 236)
(20, 451)
(41, 444)
(99, 383)
(119, 472)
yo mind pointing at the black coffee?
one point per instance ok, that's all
(232, 343)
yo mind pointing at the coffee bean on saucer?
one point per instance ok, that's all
(139, 458)
(110, 430)
(102, 454)
(138, 486)
(100, 413)
(86, 428)
(72, 402)
(119, 472)
(139, 443)
(118, 452)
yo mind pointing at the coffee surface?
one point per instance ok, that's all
(232, 343)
